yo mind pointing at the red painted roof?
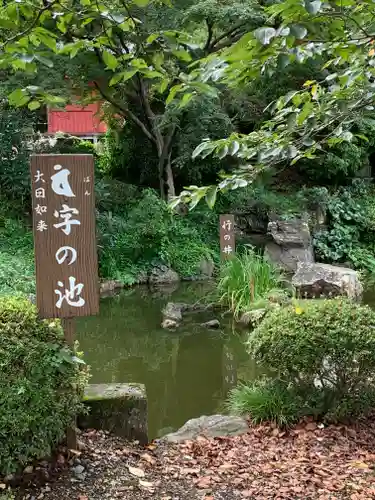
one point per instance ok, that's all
(76, 120)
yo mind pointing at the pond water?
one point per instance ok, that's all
(187, 372)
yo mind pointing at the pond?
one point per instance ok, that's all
(187, 372)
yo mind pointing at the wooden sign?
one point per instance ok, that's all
(227, 237)
(64, 235)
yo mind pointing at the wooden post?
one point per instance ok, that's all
(68, 325)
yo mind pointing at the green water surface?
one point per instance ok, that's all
(187, 372)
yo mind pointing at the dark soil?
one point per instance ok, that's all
(307, 462)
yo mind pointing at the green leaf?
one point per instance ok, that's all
(33, 105)
(183, 55)
(110, 60)
(44, 60)
(186, 98)
(141, 3)
(313, 6)
(211, 196)
(306, 110)
(124, 76)
(17, 97)
(298, 31)
(173, 92)
(265, 35)
(199, 149)
(152, 37)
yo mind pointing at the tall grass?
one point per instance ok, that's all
(246, 282)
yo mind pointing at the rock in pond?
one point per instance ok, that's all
(317, 280)
(252, 318)
(173, 311)
(169, 324)
(117, 408)
(163, 274)
(291, 243)
(213, 324)
(211, 426)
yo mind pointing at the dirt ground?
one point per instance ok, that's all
(307, 462)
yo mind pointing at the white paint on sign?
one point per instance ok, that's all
(40, 193)
(71, 295)
(60, 182)
(63, 253)
(66, 214)
(41, 209)
(41, 226)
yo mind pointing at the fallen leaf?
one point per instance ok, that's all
(83, 498)
(203, 483)
(2, 486)
(359, 465)
(135, 471)
(146, 484)
(148, 458)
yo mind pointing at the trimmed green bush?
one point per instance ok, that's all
(246, 282)
(40, 384)
(323, 352)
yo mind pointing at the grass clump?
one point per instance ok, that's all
(247, 281)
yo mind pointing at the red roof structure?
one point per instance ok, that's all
(76, 120)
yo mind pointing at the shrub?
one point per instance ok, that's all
(40, 384)
(324, 351)
(247, 280)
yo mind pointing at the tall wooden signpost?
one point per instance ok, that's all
(227, 237)
(64, 240)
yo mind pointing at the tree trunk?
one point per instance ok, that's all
(166, 181)
(170, 181)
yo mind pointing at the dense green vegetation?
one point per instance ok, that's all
(319, 357)
(248, 282)
(40, 385)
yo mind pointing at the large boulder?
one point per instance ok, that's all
(212, 426)
(291, 243)
(162, 274)
(317, 280)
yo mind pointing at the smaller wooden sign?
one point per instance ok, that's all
(64, 235)
(227, 237)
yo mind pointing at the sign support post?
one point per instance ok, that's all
(65, 241)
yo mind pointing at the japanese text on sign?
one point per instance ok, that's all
(227, 237)
(64, 231)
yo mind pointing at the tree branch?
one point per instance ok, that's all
(227, 33)
(125, 111)
(210, 34)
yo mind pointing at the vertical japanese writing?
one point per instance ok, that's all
(227, 237)
(64, 231)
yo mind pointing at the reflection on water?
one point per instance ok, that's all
(187, 373)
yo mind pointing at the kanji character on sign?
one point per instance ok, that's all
(87, 193)
(41, 209)
(226, 237)
(66, 214)
(227, 224)
(60, 182)
(41, 226)
(86, 179)
(38, 177)
(62, 254)
(40, 193)
(228, 249)
(71, 295)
